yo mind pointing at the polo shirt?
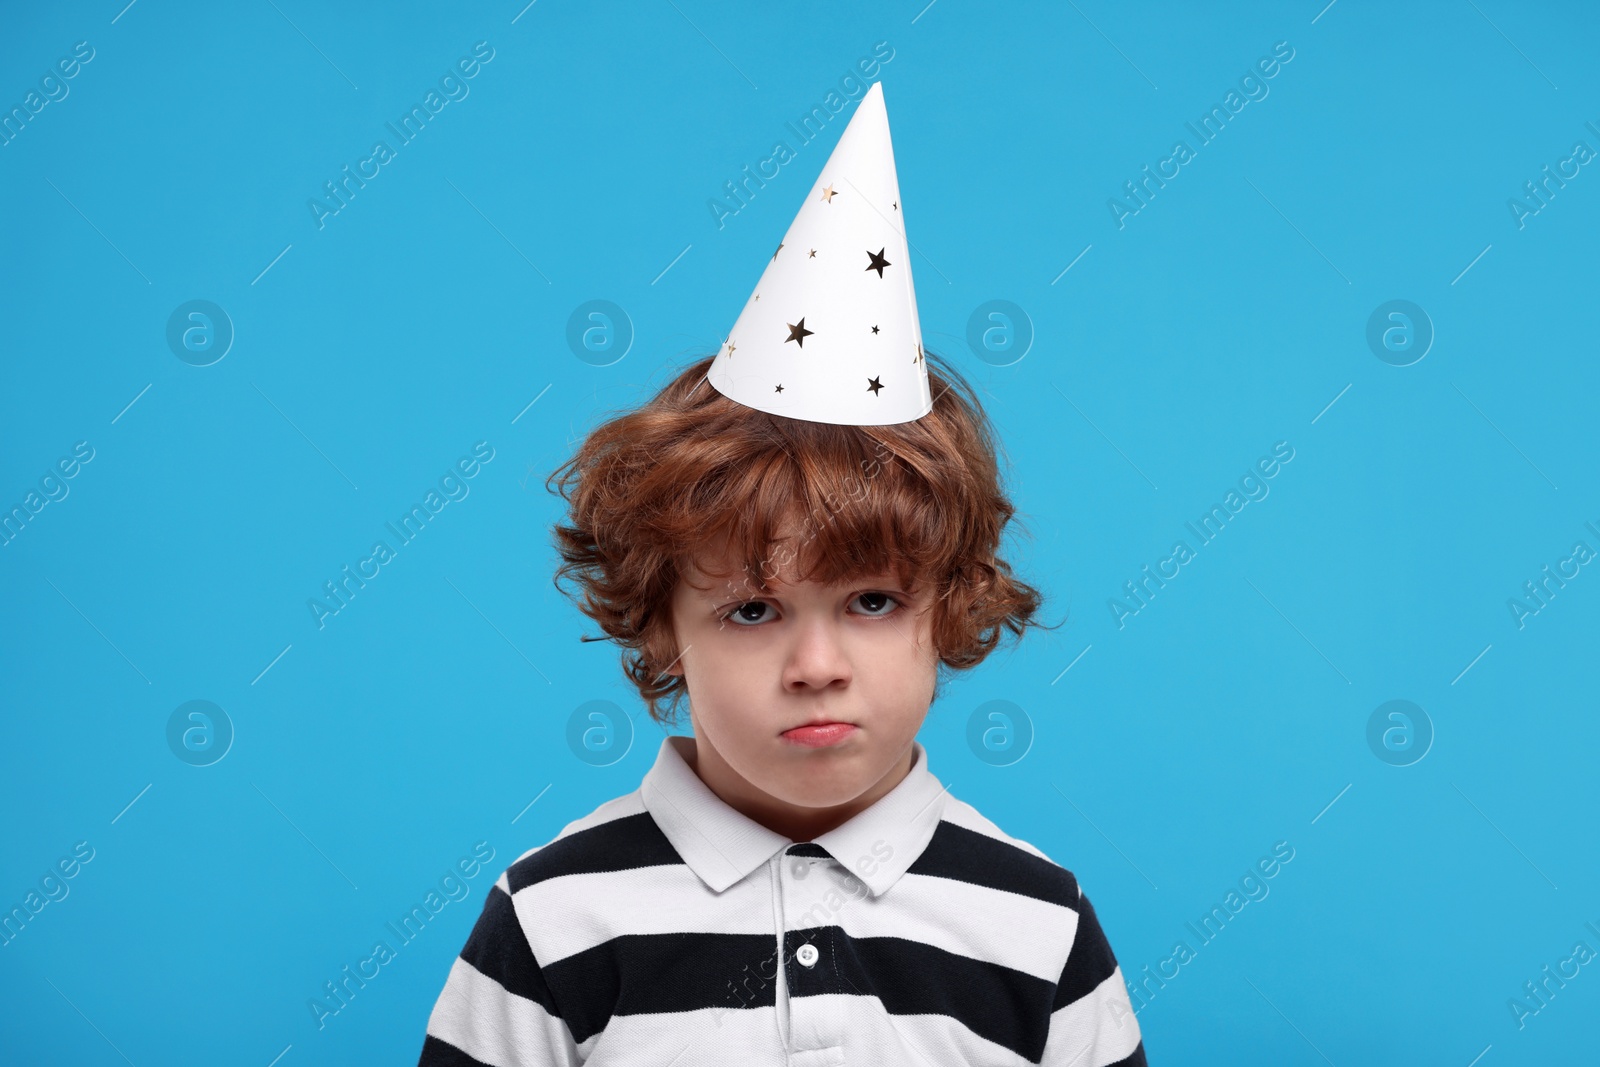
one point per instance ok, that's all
(667, 929)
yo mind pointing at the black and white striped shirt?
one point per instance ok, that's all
(666, 928)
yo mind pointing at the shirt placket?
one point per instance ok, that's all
(812, 1028)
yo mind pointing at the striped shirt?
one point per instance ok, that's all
(666, 928)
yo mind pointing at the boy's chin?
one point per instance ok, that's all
(808, 782)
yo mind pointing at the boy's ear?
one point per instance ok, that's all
(676, 669)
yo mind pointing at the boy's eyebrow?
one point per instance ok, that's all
(774, 588)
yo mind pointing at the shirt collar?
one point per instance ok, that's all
(722, 846)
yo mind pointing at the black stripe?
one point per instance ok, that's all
(499, 949)
(1005, 1006)
(436, 1053)
(808, 848)
(1089, 962)
(638, 974)
(619, 845)
(968, 856)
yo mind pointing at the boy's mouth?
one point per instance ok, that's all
(819, 735)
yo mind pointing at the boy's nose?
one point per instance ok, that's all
(818, 658)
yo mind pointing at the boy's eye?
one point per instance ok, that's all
(746, 614)
(753, 612)
(864, 598)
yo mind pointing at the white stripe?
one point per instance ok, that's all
(477, 1015)
(1096, 1029)
(595, 908)
(1025, 934)
(749, 1037)
(879, 1039)
(741, 1037)
(1015, 931)
(619, 808)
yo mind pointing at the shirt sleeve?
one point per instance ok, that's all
(496, 1010)
(1091, 1021)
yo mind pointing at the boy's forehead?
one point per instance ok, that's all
(722, 559)
(725, 571)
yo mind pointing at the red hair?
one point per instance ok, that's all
(652, 489)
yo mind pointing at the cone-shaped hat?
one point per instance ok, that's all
(830, 333)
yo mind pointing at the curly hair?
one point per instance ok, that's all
(653, 488)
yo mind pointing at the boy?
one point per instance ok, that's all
(792, 885)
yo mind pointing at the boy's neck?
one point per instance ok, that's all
(795, 823)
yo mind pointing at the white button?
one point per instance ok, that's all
(807, 955)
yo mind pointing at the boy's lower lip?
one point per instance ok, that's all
(820, 736)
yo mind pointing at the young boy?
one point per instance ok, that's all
(792, 885)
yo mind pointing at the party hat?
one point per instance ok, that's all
(830, 333)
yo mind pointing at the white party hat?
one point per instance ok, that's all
(830, 333)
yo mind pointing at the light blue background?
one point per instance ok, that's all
(1227, 315)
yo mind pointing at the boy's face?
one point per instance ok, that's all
(859, 653)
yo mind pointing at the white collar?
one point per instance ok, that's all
(722, 845)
